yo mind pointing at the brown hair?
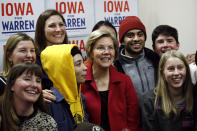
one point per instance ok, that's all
(40, 38)
(10, 119)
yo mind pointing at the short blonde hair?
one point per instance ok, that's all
(97, 34)
(162, 92)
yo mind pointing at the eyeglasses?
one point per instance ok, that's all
(102, 48)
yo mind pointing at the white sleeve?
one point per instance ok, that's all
(193, 71)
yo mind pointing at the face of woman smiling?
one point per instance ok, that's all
(174, 73)
(103, 52)
(27, 88)
(23, 52)
(55, 30)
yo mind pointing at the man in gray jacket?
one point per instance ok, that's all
(135, 60)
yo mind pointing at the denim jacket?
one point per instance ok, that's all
(60, 111)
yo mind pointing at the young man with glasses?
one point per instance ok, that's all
(135, 60)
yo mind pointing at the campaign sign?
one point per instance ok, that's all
(115, 10)
(78, 15)
(19, 16)
(81, 42)
(2, 47)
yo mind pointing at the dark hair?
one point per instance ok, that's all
(164, 30)
(104, 23)
(40, 38)
(75, 50)
(10, 119)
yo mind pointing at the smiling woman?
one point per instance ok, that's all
(55, 30)
(115, 102)
(50, 30)
(169, 106)
(19, 48)
(22, 106)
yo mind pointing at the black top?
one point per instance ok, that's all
(104, 110)
(154, 119)
(195, 107)
(24, 118)
(2, 84)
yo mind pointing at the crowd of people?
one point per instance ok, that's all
(122, 86)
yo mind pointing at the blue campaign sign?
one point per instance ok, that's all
(19, 16)
(80, 16)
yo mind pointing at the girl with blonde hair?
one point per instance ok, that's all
(19, 48)
(169, 106)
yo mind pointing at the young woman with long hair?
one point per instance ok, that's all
(169, 106)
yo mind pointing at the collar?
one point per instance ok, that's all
(116, 75)
(24, 118)
(122, 54)
(89, 75)
(127, 59)
(113, 72)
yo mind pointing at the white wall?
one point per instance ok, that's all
(181, 14)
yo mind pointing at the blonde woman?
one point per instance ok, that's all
(111, 99)
(169, 106)
(19, 48)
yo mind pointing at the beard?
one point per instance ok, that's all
(131, 51)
